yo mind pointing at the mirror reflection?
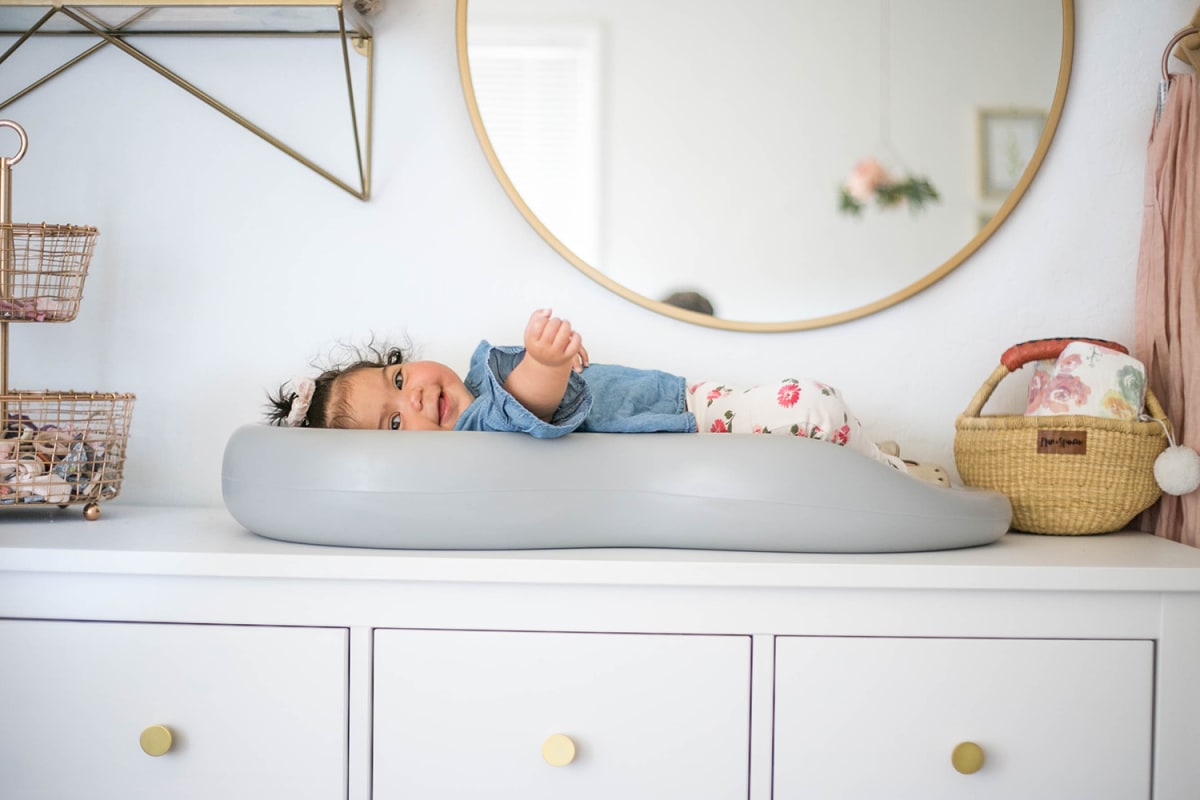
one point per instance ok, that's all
(795, 163)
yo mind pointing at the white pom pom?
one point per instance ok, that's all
(1177, 470)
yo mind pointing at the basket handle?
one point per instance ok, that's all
(1021, 354)
(24, 145)
(1155, 408)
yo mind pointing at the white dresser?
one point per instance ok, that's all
(167, 652)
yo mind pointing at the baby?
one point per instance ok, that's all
(549, 388)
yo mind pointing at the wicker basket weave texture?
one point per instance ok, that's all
(1098, 490)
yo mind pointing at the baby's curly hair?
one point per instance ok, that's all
(328, 408)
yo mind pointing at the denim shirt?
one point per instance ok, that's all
(605, 398)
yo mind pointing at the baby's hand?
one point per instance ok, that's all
(552, 342)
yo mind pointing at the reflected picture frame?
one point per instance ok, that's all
(1008, 138)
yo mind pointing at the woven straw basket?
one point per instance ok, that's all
(1062, 474)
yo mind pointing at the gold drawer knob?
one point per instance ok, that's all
(967, 758)
(558, 750)
(156, 740)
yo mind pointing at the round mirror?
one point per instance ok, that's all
(793, 163)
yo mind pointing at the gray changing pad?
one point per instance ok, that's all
(498, 491)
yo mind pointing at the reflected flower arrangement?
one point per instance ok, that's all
(869, 180)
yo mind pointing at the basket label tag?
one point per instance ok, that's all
(1062, 443)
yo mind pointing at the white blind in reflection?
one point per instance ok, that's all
(538, 92)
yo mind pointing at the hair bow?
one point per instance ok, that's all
(298, 413)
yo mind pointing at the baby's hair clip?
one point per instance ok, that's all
(298, 414)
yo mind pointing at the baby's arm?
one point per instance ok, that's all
(552, 350)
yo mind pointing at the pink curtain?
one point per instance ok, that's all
(1168, 289)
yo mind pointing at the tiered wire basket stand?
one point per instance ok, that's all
(57, 448)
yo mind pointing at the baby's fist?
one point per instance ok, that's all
(551, 341)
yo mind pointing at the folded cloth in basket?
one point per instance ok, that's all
(1088, 379)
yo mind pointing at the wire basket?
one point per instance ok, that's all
(42, 270)
(63, 448)
(1068, 474)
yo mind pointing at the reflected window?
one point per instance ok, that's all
(538, 89)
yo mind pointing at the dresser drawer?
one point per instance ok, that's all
(1053, 719)
(481, 714)
(253, 712)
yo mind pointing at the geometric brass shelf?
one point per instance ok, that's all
(116, 23)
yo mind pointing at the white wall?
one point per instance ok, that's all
(224, 267)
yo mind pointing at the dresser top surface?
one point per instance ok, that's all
(208, 542)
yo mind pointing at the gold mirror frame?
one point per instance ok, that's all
(956, 260)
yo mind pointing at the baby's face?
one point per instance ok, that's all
(418, 396)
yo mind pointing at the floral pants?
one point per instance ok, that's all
(792, 407)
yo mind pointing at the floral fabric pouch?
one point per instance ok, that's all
(1088, 379)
